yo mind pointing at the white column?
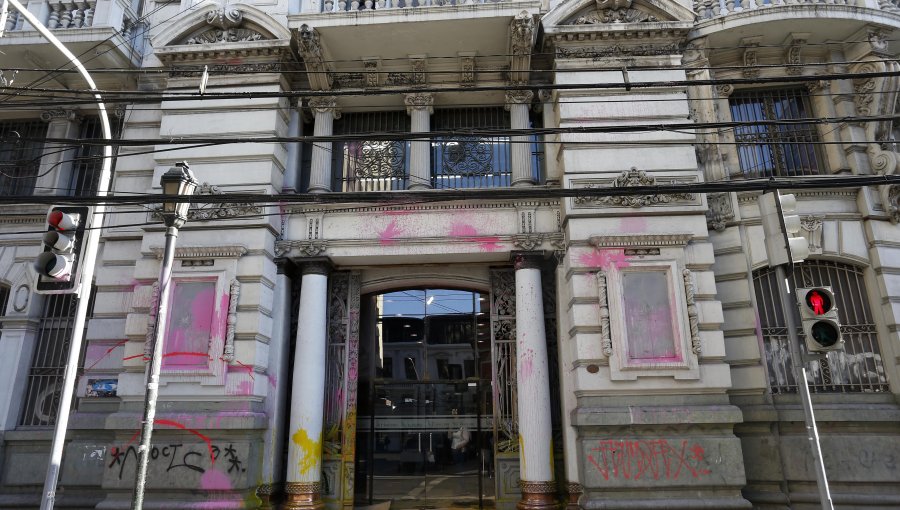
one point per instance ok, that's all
(294, 153)
(420, 106)
(326, 111)
(533, 381)
(304, 465)
(56, 164)
(518, 102)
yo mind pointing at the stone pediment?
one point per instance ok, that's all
(615, 12)
(224, 26)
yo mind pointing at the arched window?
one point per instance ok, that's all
(859, 368)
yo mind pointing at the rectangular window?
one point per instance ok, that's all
(648, 316)
(779, 150)
(20, 155)
(191, 325)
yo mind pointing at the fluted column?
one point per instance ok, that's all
(304, 466)
(326, 111)
(532, 376)
(420, 106)
(518, 102)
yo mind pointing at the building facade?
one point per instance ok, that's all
(596, 351)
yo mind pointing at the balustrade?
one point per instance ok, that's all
(707, 9)
(74, 14)
(365, 5)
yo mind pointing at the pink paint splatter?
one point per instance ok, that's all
(273, 380)
(527, 363)
(101, 357)
(468, 233)
(244, 388)
(605, 259)
(462, 230)
(215, 480)
(388, 236)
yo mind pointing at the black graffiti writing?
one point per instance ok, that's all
(177, 456)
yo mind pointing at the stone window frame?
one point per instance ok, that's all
(686, 366)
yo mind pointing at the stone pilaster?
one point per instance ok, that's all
(326, 111)
(518, 102)
(535, 434)
(304, 466)
(420, 106)
(56, 164)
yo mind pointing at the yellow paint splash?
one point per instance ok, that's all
(522, 454)
(311, 449)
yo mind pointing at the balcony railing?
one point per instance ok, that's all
(77, 14)
(367, 5)
(708, 9)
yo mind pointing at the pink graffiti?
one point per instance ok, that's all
(605, 258)
(215, 480)
(388, 236)
(273, 380)
(527, 363)
(181, 426)
(468, 233)
(191, 332)
(244, 388)
(632, 459)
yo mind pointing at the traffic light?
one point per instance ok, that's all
(59, 263)
(780, 226)
(821, 325)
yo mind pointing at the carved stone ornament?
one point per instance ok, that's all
(419, 101)
(231, 322)
(878, 39)
(49, 115)
(325, 105)
(310, 46)
(614, 11)
(605, 338)
(619, 50)
(200, 211)
(418, 76)
(792, 55)
(751, 56)
(693, 316)
(307, 248)
(720, 211)
(521, 34)
(891, 197)
(518, 97)
(467, 70)
(223, 26)
(811, 229)
(629, 179)
(527, 242)
(723, 91)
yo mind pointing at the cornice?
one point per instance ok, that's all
(409, 209)
(197, 252)
(645, 240)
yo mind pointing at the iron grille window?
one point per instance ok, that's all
(20, 155)
(370, 165)
(48, 363)
(859, 368)
(88, 160)
(775, 150)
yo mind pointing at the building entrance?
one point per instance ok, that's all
(425, 429)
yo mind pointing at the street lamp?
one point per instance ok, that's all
(177, 182)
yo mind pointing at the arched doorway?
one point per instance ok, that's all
(425, 431)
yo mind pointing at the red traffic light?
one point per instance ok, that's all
(62, 221)
(819, 301)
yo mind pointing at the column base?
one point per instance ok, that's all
(303, 495)
(264, 493)
(537, 496)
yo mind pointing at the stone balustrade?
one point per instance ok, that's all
(365, 5)
(708, 9)
(76, 14)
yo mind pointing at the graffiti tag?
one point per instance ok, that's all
(648, 458)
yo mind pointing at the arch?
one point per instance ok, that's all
(186, 26)
(476, 280)
(663, 10)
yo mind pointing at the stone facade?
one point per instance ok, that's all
(661, 377)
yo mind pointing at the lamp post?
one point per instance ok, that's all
(177, 182)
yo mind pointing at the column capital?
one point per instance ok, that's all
(419, 101)
(315, 265)
(325, 105)
(518, 97)
(527, 259)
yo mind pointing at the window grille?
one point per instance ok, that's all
(370, 165)
(470, 161)
(20, 155)
(88, 160)
(48, 363)
(859, 368)
(775, 150)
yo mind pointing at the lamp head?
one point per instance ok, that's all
(178, 181)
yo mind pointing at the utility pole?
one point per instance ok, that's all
(92, 243)
(779, 222)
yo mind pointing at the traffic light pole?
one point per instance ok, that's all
(91, 245)
(786, 291)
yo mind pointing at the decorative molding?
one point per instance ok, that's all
(605, 338)
(59, 113)
(418, 77)
(538, 487)
(723, 91)
(466, 70)
(419, 101)
(217, 210)
(720, 211)
(817, 87)
(309, 248)
(223, 27)
(192, 71)
(325, 105)
(522, 30)
(528, 242)
(204, 252)
(630, 179)
(878, 40)
(792, 54)
(633, 240)
(811, 229)
(303, 487)
(372, 67)
(234, 293)
(890, 196)
(518, 97)
(864, 88)
(751, 56)
(693, 316)
(310, 46)
(558, 240)
(604, 52)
